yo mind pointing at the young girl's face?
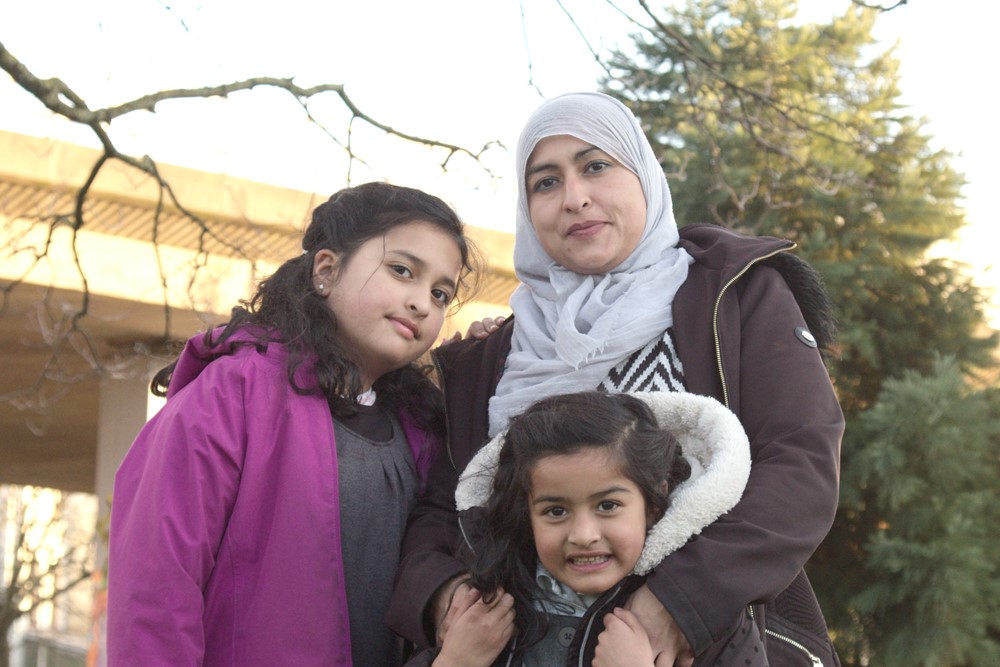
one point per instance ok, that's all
(391, 297)
(589, 521)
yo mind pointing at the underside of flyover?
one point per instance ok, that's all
(49, 424)
(51, 383)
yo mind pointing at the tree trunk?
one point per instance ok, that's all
(4, 647)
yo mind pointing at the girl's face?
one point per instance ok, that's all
(587, 208)
(391, 296)
(588, 520)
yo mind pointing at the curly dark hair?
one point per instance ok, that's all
(646, 453)
(287, 309)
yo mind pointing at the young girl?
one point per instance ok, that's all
(258, 517)
(567, 511)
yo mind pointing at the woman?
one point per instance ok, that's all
(614, 297)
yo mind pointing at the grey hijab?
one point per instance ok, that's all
(572, 329)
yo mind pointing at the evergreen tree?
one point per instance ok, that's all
(925, 477)
(776, 127)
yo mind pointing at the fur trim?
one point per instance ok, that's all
(712, 440)
(811, 295)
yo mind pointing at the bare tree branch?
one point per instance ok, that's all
(62, 100)
(785, 109)
(576, 26)
(50, 555)
(762, 115)
(527, 50)
(878, 6)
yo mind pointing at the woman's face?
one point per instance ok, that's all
(587, 208)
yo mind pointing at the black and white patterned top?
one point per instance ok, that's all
(655, 367)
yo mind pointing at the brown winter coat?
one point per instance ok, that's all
(742, 323)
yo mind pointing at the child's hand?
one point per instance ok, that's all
(669, 644)
(623, 643)
(479, 631)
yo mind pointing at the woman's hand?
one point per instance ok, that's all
(623, 643)
(670, 646)
(444, 609)
(479, 329)
(483, 328)
(480, 630)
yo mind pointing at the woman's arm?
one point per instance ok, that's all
(429, 567)
(781, 391)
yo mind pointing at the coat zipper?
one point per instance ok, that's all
(465, 536)
(590, 623)
(715, 318)
(791, 642)
(813, 659)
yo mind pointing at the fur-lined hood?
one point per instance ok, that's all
(712, 440)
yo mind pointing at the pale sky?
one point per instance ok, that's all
(456, 70)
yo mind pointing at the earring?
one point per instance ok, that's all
(320, 287)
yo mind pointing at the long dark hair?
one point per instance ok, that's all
(287, 309)
(646, 453)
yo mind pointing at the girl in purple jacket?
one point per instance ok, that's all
(257, 518)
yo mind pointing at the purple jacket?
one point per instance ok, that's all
(225, 529)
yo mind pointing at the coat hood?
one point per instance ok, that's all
(204, 348)
(712, 440)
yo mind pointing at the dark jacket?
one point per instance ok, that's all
(742, 323)
(744, 647)
(709, 434)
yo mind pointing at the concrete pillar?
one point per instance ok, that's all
(122, 411)
(124, 406)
